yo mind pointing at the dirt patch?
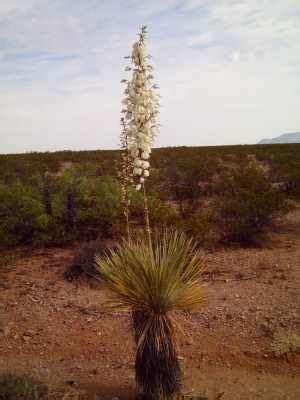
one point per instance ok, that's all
(57, 331)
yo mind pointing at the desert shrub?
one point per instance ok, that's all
(246, 203)
(161, 214)
(45, 186)
(21, 388)
(83, 262)
(54, 210)
(66, 201)
(101, 206)
(292, 183)
(42, 202)
(187, 180)
(200, 226)
(89, 206)
(283, 160)
(22, 215)
(285, 343)
(285, 168)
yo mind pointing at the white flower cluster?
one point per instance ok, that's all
(141, 108)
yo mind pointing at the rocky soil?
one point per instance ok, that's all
(57, 331)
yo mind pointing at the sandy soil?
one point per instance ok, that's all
(57, 331)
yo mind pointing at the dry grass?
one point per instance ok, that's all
(285, 343)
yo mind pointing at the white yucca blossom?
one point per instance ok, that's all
(137, 171)
(140, 108)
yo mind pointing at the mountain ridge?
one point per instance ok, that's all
(292, 137)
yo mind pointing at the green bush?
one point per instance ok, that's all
(67, 200)
(187, 181)
(200, 226)
(22, 215)
(161, 214)
(57, 209)
(246, 203)
(21, 388)
(87, 206)
(57, 197)
(101, 205)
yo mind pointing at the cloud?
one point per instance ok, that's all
(15, 5)
(228, 70)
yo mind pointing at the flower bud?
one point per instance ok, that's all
(137, 171)
(145, 147)
(134, 153)
(145, 164)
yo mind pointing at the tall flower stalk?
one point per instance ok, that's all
(125, 174)
(141, 109)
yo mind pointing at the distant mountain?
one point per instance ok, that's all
(293, 137)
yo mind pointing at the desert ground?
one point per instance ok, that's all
(59, 333)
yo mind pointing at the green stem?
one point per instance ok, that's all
(127, 214)
(146, 214)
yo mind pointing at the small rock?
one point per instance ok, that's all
(71, 382)
(6, 330)
(29, 333)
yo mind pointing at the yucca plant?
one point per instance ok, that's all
(153, 281)
(139, 125)
(151, 275)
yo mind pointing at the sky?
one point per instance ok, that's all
(228, 70)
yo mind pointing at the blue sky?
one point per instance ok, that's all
(228, 71)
